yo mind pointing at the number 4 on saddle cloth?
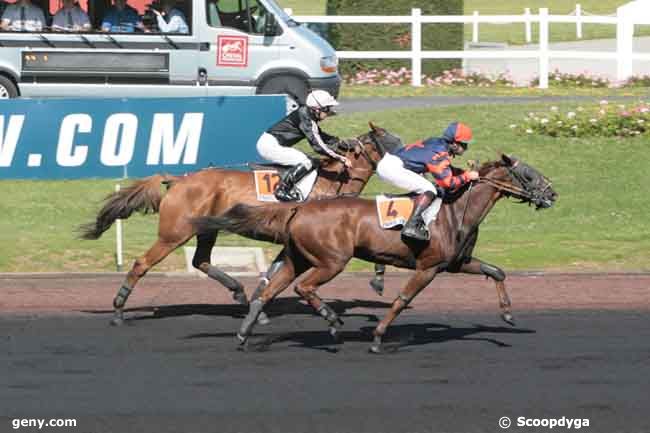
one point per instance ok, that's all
(267, 178)
(395, 210)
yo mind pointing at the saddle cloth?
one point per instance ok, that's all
(267, 180)
(394, 211)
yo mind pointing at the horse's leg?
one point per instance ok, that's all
(141, 266)
(280, 281)
(477, 266)
(377, 282)
(201, 261)
(307, 289)
(418, 281)
(263, 319)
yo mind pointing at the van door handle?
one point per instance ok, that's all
(204, 46)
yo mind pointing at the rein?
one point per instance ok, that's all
(341, 182)
(506, 187)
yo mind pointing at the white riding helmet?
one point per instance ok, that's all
(318, 99)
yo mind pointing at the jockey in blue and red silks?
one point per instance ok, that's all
(405, 167)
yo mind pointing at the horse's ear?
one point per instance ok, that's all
(507, 160)
(376, 129)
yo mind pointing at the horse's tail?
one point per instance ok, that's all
(268, 222)
(143, 196)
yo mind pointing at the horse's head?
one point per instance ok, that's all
(371, 146)
(519, 180)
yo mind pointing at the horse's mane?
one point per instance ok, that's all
(483, 170)
(489, 166)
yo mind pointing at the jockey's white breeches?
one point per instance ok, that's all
(391, 169)
(269, 148)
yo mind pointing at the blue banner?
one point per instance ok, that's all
(113, 138)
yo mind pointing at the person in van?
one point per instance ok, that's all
(170, 19)
(121, 18)
(70, 18)
(23, 16)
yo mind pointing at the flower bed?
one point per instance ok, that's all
(605, 120)
(558, 79)
(454, 77)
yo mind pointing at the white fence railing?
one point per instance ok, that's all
(577, 13)
(624, 55)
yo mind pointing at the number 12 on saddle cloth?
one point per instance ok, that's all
(265, 183)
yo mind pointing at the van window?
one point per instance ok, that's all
(177, 21)
(248, 16)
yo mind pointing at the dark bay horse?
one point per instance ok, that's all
(322, 236)
(211, 192)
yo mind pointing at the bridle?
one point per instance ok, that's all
(363, 152)
(521, 191)
(358, 149)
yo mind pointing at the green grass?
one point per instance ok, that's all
(599, 221)
(513, 33)
(305, 7)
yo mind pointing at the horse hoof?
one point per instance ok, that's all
(263, 319)
(242, 339)
(117, 321)
(240, 297)
(335, 334)
(507, 317)
(376, 349)
(377, 285)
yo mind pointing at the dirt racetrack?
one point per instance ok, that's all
(580, 351)
(75, 293)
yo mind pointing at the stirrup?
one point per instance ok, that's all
(284, 194)
(416, 230)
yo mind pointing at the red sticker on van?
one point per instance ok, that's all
(232, 51)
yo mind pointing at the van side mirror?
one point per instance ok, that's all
(270, 26)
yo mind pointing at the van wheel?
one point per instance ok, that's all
(7, 88)
(293, 87)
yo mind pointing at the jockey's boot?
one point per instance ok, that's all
(415, 228)
(286, 189)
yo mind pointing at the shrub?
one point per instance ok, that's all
(389, 37)
(605, 120)
(559, 79)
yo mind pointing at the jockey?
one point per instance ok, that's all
(405, 167)
(275, 144)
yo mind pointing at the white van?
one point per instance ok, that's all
(234, 47)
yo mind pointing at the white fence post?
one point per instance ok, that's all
(118, 238)
(543, 48)
(528, 26)
(416, 47)
(578, 21)
(475, 27)
(624, 43)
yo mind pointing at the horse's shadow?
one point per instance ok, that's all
(398, 336)
(279, 307)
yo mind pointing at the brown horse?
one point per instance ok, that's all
(211, 192)
(321, 237)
